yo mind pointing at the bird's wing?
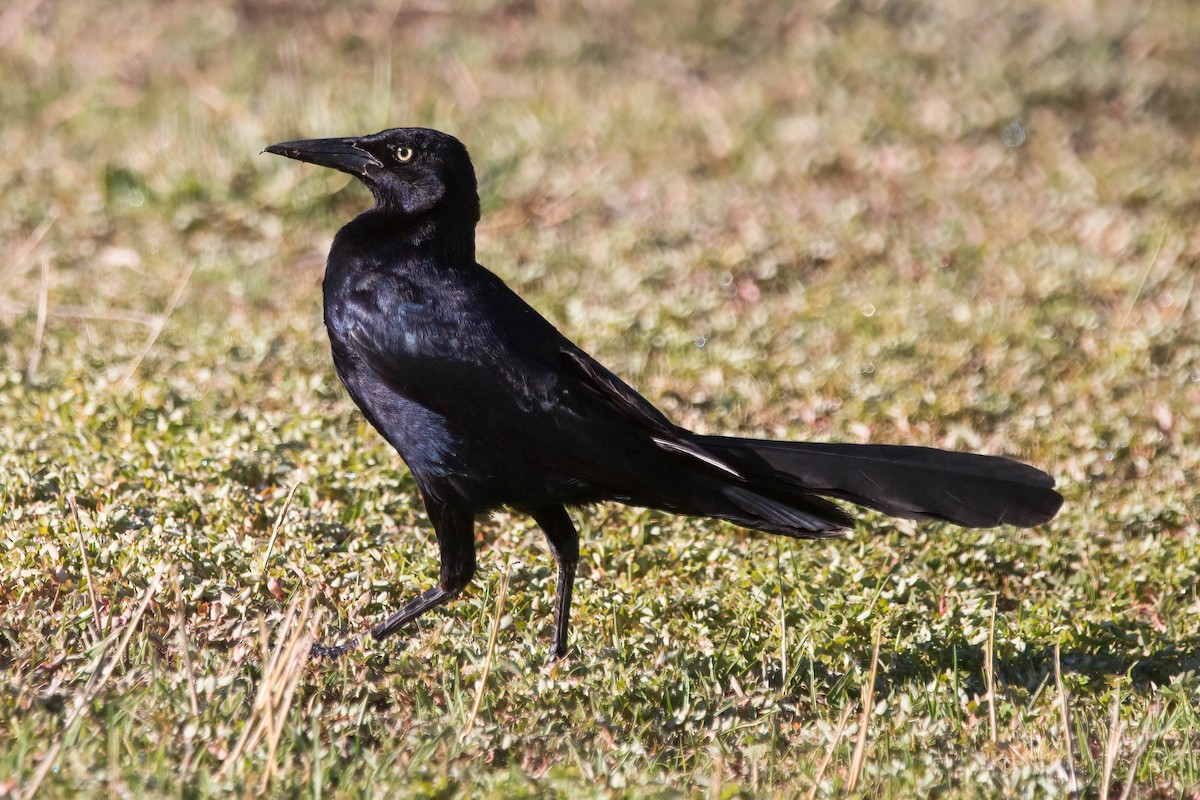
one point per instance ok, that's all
(495, 364)
(468, 350)
(591, 375)
(440, 361)
(635, 408)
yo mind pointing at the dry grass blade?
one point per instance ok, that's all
(112, 315)
(864, 722)
(275, 528)
(87, 570)
(718, 776)
(989, 666)
(1145, 734)
(26, 248)
(1115, 730)
(1142, 283)
(783, 661)
(837, 737)
(161, 323)
(184, 645)
(491, 649)
(94, 685)
(39, 329)
(1064, 708)
(281, 674)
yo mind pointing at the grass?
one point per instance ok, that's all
(968, 227)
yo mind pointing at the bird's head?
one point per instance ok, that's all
(411, 170)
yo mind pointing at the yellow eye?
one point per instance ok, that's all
(404, 153)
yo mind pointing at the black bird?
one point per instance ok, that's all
(490, 406)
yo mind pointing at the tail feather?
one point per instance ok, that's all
(972, 490)
(801, 516)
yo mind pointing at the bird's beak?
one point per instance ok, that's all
(340, 154)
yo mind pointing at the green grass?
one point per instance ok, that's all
(807, 224)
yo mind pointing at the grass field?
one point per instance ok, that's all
(969, 225)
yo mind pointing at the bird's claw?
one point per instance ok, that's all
(333, 652)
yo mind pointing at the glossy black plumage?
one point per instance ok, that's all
(490, 406)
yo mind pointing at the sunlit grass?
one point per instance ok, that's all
(790, 223)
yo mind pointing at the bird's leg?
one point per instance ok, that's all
(332, 652)
(430, 598)
(564, 544)
(414, 608)
(455, 529)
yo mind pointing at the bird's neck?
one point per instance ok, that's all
(451, 240)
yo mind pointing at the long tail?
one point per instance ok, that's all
(971, 490)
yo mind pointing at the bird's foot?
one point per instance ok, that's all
(333, 652)
(557, 656)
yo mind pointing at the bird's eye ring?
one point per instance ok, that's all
(404, 154)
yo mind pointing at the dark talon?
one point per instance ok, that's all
(333, 652)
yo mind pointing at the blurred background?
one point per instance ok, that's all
(969, 225)
(653, 175)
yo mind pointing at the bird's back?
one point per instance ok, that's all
(467, 380)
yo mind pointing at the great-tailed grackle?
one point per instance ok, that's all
(491, 406)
